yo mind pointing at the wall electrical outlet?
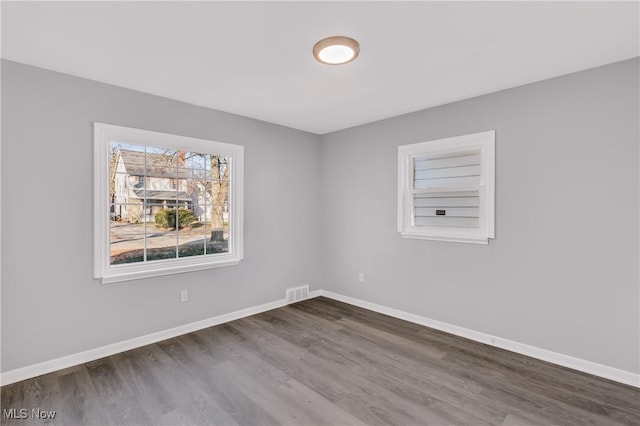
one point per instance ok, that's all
(184, 296)
(361, 277)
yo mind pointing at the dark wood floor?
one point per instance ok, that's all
(322, 362)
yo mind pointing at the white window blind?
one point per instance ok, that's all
(454, 208)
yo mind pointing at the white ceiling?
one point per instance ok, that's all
(254, 58)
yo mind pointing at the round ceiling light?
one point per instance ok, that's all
(336, 50)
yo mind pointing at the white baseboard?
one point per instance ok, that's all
(315, 293)
(585, 366)
(45, 367)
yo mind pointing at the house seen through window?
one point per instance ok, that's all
(167, 203)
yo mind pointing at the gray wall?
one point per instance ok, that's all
(51, 306)
(562, 273)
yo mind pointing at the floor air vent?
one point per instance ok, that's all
(298, 293)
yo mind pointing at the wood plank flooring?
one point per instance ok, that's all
(321, 362)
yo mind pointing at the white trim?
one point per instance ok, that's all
(589, 367)
(103, 135)
(45, 367)
(315, 293)
(450, 239)
(190, 265)
(611, 373)
(482, 143)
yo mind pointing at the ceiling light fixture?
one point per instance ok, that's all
(336, 50)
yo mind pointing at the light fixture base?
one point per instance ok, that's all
(336, 50)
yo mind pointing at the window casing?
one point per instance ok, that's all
(194, 185)
(446, 189)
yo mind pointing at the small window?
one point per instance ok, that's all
(164, 204)
(446, 189)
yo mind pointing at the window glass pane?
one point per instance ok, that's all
(447, 170)
(161, 231)
(184, 188)
(130, 158)
(218, 227)
(126, 238)
(197, 192)
(191, 165)
(218, 167)
(457, 209)
(126, 167)
(190, 201)
(124, 189)
(157, 213)
(161, 168)
(191, 237)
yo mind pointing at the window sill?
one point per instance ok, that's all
(451, 239)
(157, 271)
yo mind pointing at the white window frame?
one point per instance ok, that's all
(103, 270)
(485, 143)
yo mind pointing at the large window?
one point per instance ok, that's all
(164, 203)
(446, 189)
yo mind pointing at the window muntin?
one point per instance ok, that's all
(446, 189)
(173, 203)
